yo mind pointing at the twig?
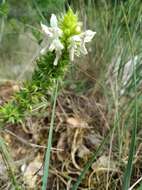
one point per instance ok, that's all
(28, 143)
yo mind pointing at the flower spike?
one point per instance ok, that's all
(66, 34)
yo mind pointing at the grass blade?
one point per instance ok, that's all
(128, 171)
(48, 151)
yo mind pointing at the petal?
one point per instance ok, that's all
(56, 33)
(53, 21)
(59, 32)
(71, 53)
(58, 45)
(58, 55)
(76, 38)
(46, 29)
(56, 61)
(72, 50)
(44, 50)
(88, 35)
(52, 47)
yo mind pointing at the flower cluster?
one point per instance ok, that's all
(53, 33)
(66, 34)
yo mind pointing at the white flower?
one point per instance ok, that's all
(77, 43)
(56, 45)
(52, 35)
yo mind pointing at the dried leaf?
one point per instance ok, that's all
(83, 151)
(93, 139)
(77, 123)
(31, 173)
(103, 163)
(62, 143)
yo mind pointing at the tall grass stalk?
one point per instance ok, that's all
(48, 151)
(128, 171)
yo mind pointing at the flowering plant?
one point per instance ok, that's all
(67, 34)
(64, 40)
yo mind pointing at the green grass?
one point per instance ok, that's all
(118, 40)
(128, 171)
(114, 25)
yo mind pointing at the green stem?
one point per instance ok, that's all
(48, 151)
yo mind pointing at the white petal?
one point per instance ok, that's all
(52, 47)
(59, 31)
(53, 21)
(46, 29)
(56, 61)
(56, 33)
(72, 52)
(56, 45)
(88, 35)
(58, 55)
(44, 50)
(76, 38)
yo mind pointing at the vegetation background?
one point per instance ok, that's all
(99, 108)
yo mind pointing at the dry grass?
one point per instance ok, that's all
(81, 123)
